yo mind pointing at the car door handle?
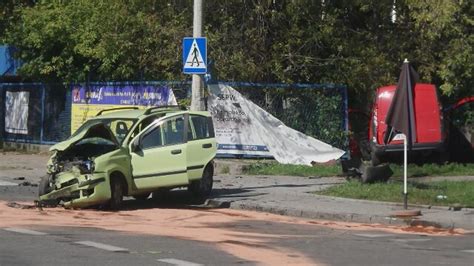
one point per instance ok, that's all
(175, 152)
(207, 145)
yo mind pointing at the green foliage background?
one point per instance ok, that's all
(352, 42)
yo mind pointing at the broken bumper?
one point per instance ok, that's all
(81, 191)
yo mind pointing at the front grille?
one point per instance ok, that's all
(69, 183)
(87, 192)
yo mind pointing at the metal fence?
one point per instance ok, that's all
(48, 113)
(318, 110)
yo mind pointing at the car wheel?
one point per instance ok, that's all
(44, 188)
(116, 189)
(142, 197)
(202, 188)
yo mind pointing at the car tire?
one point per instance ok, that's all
(116, 194)
(44, 188)
(202, 188)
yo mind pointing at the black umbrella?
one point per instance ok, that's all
(401, 116)
(401, 113)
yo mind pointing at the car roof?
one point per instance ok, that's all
(132, 114)
(137, 113)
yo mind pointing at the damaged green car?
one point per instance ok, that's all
(132, 152)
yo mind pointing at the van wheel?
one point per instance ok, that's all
(376, 160)
(116, 189)
(364, 147)
(44, 188)
(202, 188)
(442, 157)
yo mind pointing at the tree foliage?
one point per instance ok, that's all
(352, 42)
(99, 40)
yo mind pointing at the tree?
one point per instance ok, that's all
(99, 40)
(8, 15)
(352, 42)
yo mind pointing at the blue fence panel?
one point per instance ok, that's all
(301, 106)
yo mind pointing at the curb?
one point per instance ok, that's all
(344, 217)
(389, 203)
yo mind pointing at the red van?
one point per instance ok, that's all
(431, 132)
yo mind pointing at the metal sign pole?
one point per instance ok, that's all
(197, 98)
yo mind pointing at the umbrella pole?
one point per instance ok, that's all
(405, 192)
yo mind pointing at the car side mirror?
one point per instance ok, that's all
(136, 145)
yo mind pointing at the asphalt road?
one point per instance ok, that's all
(294, 240)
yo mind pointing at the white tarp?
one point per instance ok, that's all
(242, 127)
(16, 112)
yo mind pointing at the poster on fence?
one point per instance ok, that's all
(87, 102)
(16, 112)
(243, 128)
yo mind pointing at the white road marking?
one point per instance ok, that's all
(24, 231)
(179, 262)
(412, 240)
(102, 246)
(373, 235)
(468, 250)
(6, 183)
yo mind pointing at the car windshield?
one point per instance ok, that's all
(118, 126)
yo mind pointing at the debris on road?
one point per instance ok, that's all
(16, 205)
(27, 183)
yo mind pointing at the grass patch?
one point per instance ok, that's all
(456, 192)
(292, 170)
(273, 168)
(450, 169)
(225, 169)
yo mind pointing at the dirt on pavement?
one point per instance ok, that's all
(215, 226)
(30, 167)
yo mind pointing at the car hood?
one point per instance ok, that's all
(97, 129)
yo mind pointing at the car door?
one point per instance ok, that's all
(202, 145)
(158, 155)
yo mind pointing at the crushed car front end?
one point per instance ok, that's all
(77, 186)
(77, 174)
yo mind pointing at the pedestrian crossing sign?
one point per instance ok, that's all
(194, 55)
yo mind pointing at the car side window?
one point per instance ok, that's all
(152, 139)
(203, 127)
(173, 130)
(143, 124)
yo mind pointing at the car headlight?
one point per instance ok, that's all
(90, 166)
